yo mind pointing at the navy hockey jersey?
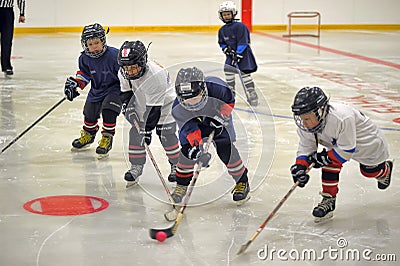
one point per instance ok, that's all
(102, 72)
(237, 36)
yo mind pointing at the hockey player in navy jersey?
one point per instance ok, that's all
(234, 40)
(347, 134)
(204, 105)
(98, 66)
(147, 96)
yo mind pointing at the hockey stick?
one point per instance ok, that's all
(33, 124)
(245, 246)
(159, 175)
(170, 231)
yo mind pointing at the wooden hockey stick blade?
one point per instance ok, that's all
(244, 247)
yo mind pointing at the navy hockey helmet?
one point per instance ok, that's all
(310, 100)
(90, 32)
(190, 83)
(227, 6)
(133, 53)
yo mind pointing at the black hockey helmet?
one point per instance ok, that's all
(90, 32)
(190, 83)
(133, 53)
(307, 100)
(227, 6)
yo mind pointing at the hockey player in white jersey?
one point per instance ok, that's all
(346, 134)
(147, 95)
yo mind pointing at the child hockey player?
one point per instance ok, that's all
(203, 105)
(97, 65)
(234, 40)
(347, 134)
(147, 95)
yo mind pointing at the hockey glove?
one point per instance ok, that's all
(123, 108)
(320, 159)
(238, 58)
(228, 51)
(218, 122)
(70, 88)
(145, 137)
(126, 98)
(197, 153)
(299, 174)
(221, 119)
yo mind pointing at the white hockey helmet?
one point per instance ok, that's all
(227, 6)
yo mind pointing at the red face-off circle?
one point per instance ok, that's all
(66, 205)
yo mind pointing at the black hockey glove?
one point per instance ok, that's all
(218, 122)
(126, 98)
(237, 58)
(222, 119)
(129, 111)
(123, 108)
(228, 51)
(70, 88)
(197, 153)
(320, 159)
(299, 174)
(145, 137)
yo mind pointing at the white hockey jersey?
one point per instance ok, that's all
(350, 133)
(154, 88)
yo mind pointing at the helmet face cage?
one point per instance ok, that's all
(91, 32)
(190, 83)
(133, 53)
(311, 100)
(227, 6)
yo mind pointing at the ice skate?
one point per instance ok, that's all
(325, 208)
(83, 142)
(179, 193)
(105, 145)
(384, 181)
(132, 176)
(172, 175)
(8, 73)
(241, 193)
(252, 97)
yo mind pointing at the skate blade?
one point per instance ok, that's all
(171, 216)
(323, 219)
(253, 103)
(130, 184)
(243, 201)
(102, 156)
(85, 148)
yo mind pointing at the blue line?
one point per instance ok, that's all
(291, 117)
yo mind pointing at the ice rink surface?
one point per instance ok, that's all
(356, 67)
